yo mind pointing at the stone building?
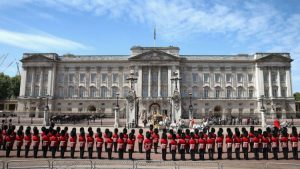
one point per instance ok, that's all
(219, 85)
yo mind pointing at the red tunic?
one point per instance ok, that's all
(163, 143)
(192, 144)
(9, 142)
(120, 144)
(99, 142)
(274, 141)
(19, 141)
(109, 143)
(245, 141)
(284, 142)
(173, 144)
(255, 142)
(53, 141)
(73, 140)
(294, 141)
(265, 141)
(125, 137)
(202, 143)
(210, 142)
(115, 137)
(46, 140)
(35, 140)
(181, 143)
(130, 144)
(251, 136)
(155, 138)
(170, 137)
(147, 144)
(196, 136)
(140, 138)
(81, 141)
(63, 141)
(27, 140)
(219, 142)
(90, 141)
(187, 139)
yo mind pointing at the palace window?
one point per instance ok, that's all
(205, 93)
(240, 78)
(36, 91)
(283, 91)
(114, 92)
(282, 77)
(267, 92)
(195, 77)
(275, 91)
(250, 78)
(60, 92)
(103, 92)
(71, 78)
(250, 93)
(71, 91)
(61, 78)
(274, 77)
(45, 77)
(228, 92)
(93, 77)
(217, 92)
(217, 78)
(82, 77)
(115, 77)
(125, 91)
(228, 78)
(37, 77)
(195, 91)
(206, 77)
(266, 76)
(239, 92)
(93, 92)
(81, 92)
(29, 77)
(104, 78)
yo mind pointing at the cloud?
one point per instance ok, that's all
(38, 42)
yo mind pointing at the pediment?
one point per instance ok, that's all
(36, 58)
(274, 58)
(154, 55)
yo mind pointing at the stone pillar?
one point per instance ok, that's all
(149, 82)
(46, 117)
(32, 83)
(289, 92)
(259, 82)
(169, 82)
(140, 82)
(41, 82)
(263, 118)
(278, 83)
(270, 83)
(117, 124)
(49, 85)
(159, 82)
(23, 82)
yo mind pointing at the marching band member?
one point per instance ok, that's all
(210, 144)
(275, 148)
(173, 145)
(19, 142)
(192, 146)
(255, 141)
(99, 143)
(109, 144)
(8, 142)
(133, 138)
(181, 144)
(251, 135)
(140, 140)
(245, 141)
(121, 146)
(265, 144)
(284, 143)
(81, 141)
(294, 143)
(196, 137)
(73, 141)
(219, 142)
(125, 137)
(148, 145)
(163, 145)
(90, 143)
(187, 139)
(170, 137)
(35, 142)
(130, 144)
(202, 143)
(155, 137)
(63, 143)
(237, 145)
(229, 142)
(53, 143)
(115, 139)
(27, 141)
(45, 143)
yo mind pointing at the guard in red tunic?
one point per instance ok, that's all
(245, 142)
(155, 137)
(4, 133)
(63, 143)
(19, 142)
(181, 144)
(219, 142)
(170, 137)
(58, 130)
(9, 142)
(125, 137)
(45, 143)
(192, 146)
(265, 142)
(163, 145)
(133, 138)
(90, 143)
(148, 145)
(213, 137)
(121, 146)
(284, 143)
(27, 142)
(73, 141)
(173, 145)
(202, 145)
(106, 131)
(294, 143)
(210, 143)
(130, 145)
(229, 142)
(53, 143)
(255, 140)
(187, 140)
(196, 137)
(99, 143)
(140, 139)
(35, 142)
(275, 148)
(1, 138)
(109, 144)
(115, 139)
(82, 142)
(237, 140)
(251, 135)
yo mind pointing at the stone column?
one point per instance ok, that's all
(259, 82)
(32, 83)
(263, 119)
(23, 82)
(159, 82)
(278, 83)
(46, 117)
(270, 83)
(169, 82)
(140, 82)
(149, 82)
(116, 125)
(41, 82)
(49, 86)
(288, 83)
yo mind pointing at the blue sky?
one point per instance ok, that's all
(113, 26)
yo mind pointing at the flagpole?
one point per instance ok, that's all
(154, 36)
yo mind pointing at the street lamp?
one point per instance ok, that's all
(117, 94)
(190, 107)
(46, 111)
(116, 125)
(262, 111)
(262, 102)
(132, 79)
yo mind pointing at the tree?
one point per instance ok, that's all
(15, 86)
(297, 96)
(9, 86)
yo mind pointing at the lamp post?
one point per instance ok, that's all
(263, 111)
(116, 125)
(131, 113)
(190, 107)
(131, 79)
(46, 112)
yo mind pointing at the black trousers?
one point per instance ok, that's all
(130, 152)
(105, 146)
(115, 147)
(256, 153)
(265, 153)
(295, 153)
(45, 150)
(245, 151)
(99, 152)
(201, 154)
(26, 151)
(4, 144)
(72, 152)
(182, 154)
(173, 155)
(148, 154)
(192, 152)
(35, 151)
(237, 153)
(229, 153)
(164, 154)
(8, 150)
(18, 151)
(53, 150)
(121, 153)
(62, 151)
(285, 153)
(125, 147)
(251, 146)
(109, 152)
(211, 154)
(155, 147)
(275, 153)
(81, 152)
(90, 151)
(140, 147)
(220, 151)
(187, 148)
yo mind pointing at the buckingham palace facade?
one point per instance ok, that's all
(207, 84)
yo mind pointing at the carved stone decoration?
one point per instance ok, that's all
(130, 98)
(176, 99)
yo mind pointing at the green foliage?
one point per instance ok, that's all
(297, 96)
(9, 86)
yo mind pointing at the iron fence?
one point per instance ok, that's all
(282, 166)
(28, 164)
(72, 164)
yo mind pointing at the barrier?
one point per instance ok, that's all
(2, 165)
(283, 166)
(72, 164)
(197, 164)
(155, 164)
(116, 164)
(243, 164)
(28, 164)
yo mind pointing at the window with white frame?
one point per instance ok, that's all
(274, 77)
(240, 78)
(266, 90)
(45, 77)
(114, 92)
(115, 77)
(266, 76)
(195, 77)
(282, 77)
(93, 92)
(29, 77)
(71, 78)
(195, 92)
(81, 92)
(217, 92)
(250, 94)
(60, 92)
(240, 92)
(104, 78)
(228, 92)
(250, 78)
(82, 77)
(93, 77)
(206, 77)
(103, 92)
(61, 78)
(71, 91)
(228, 78)
(275, 91)
(206, 92)
(283, 91)
(217, 78)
